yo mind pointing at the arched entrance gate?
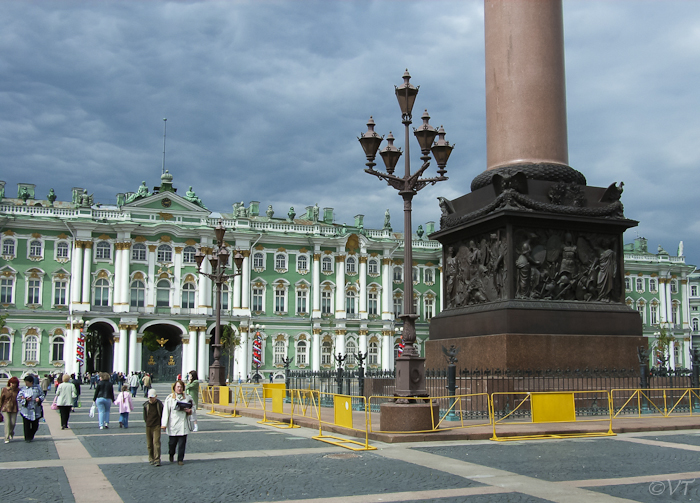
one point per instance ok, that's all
(162, 352)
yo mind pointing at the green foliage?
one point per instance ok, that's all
(661, 345)
(149, 340)
(92, 347)
(3, 318)
(230, 340)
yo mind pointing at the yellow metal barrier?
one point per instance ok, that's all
(453, 413)
(223, 400)
(343, 417)
(277, 395)
(268, 387)
(652, 402)
(550, 407)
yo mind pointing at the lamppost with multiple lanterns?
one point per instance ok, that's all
(219, 262)
(410, 372)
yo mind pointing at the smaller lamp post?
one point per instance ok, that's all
(219, 262)
(257, 350)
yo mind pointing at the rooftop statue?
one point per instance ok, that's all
(192, 197)
(139, 194)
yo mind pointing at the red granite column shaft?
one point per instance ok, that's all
(525, 83)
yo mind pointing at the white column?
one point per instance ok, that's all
(340, 287)
(316, 350)
(202, 354)
(236, 295)
(441, 293)
(133, 364)
(363, 341)
(387, 351)
(685, 353)
(386, 289)
(151, 282)
(70, 351)
(87, 269)
(339, 342)
(242, 352)
(672, 355)
(126, 258)
(316, 286)
(685, 309)
(245, 282)
(120, 349)
(118, 281)
(177, 282)
(363, 288)
(76, 275)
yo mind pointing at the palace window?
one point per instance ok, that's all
(138, 294)
(350, 265)
(326, 353)
(301, 353)
(302, 304)
(35, 248)
(350, 351)
(57, 349)
(33, 291)
(652, 285)
(429, 308)
(674, 286)
(280, 261)
(165, 253)
(398, 274)
(60, 291)
(654, 314)
(696, 326)
(398, 306)
(8, 247)
(101, 292)
(416, 275)
(4, 348)
(188, 295)
(628, 284)
(188, 254)
(327, 264)
(62, 250)
(224, 297)
(258, 294)
(103, 251)
(373, 358)
(694, 290)
(373, 266)
(674, 314)
(302, 263)
(428, 277)
(163, 293)
(279, 352)
(31, 349)
(326, 302)
(372, 303)
(640, 309)
(350, 303)
(640, 284)
(138, 252)
(6, 290)
(258, 260)
(280, 299)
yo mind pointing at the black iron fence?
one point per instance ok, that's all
(510, 387)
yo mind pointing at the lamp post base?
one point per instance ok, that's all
(410, 377)
(217, 375)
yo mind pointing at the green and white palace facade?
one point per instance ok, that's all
(311, 288)
(317, 287)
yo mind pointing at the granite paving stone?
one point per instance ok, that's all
(46, 485)
(659, 491)
(489, 498)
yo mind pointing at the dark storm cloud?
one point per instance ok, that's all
(264, 100)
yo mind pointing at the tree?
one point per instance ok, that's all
(661, 346)
(93, 346)
(149, 340)
(230, 340)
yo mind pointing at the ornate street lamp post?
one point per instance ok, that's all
(410, 372)
(219, 261)
(257, 351)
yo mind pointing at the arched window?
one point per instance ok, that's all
(31, 349)
(35, 248)
(302, 301)
(165, 253)
(652, 285)
(302, 263)
(327, 264)
(372, 303)
(102, 250)
(695, 326)
(280, 298)
(327, 301)
(188, 294)
(62, 250)
(258, 295)
(350, 351)
(301, 353)
(5, 348)
(640, 284)
(224, 297)
(350, 265)
(398, 306)
(428, 277)
(654, 312)
(350, 303)
(674, 286)
(416, 275)
(188, 254)
(102, 292)
(138, 252)
(373, 266)
(280, 261)
(373, 358)
(398, 274)
(628, 284)
(57, 349)
(326, 353)
(8, 247)
(258, 260)
(279, 352)
(163, 293)
(138, 294)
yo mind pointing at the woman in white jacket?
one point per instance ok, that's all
(176, 420)
(65, 394)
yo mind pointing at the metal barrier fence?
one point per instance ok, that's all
(652, 402)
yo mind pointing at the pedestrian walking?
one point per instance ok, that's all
(65, 395)
(76, 383)
(125, 406)
(103, 398)
(152, 416)
(147, 382)
(177, 412)
(29, 400)
(93, 380)
(192, 387)
(134, 383)
(8, 407)
(45, 384)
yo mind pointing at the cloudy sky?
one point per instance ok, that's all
(265, 100)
